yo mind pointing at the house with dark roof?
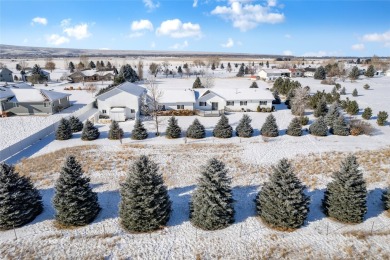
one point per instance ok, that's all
(6, 75)
(23, 99)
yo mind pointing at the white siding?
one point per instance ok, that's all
(122, 99)
(173, 106)
(210, 98)
(251, 105)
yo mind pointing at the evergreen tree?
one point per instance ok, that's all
(352, 107)
(370, 71)
(180, 71)
(74, 201)
(267, 64)
(223, 129)
(339, 127)
(320, 73)
(319, 127)
(36, 70)
(90, 132)
(241, 71)
(145, 203)
(197, 83)
(128, 73)
(213, 66)
(20, 201)
(355, 93)
(139, 131)
(64, 131)
(321, 108)
(386, 199)
(354, 74)
(367, 113)
(211, 205)
(282, 203)
(270, 128)
(294, 128)
(18, 67)
(92, 65)
(173, 129)
(115, 132)
(343, 91)
(196, 130)
(345, 197)
(333, 114)
(381, 118)
(254, 85)
(277, 99)
(244, 128)
(75, 124)
(109, 66)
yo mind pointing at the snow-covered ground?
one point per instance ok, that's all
(180, 161)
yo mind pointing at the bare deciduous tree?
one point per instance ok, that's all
(152, 102)
(140, 69)
(84, 59)
(91, 88)
(23, 64)
(208, 80)
(299, 101)
(154, 68)
(50, 65)
(187, 71)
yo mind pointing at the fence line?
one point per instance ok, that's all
(11, 150)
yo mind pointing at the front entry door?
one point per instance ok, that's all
(214, 105)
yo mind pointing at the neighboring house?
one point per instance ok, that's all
(388, 73)
(309, 72)
(272, 74)
(379, 73)
(177, 99)
(296, 73)
(122, 102)
(90, 76)
(22, 99)
(6, 75)
(243, 99)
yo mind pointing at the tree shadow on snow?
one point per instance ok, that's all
(316, 212)
(109, 202)
(180, 198)
(374, 203)
(244, 204)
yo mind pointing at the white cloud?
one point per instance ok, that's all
(136, 34)
(151, 5)
(246, 16)
(377, 37)
(56, 39)
(179, 46)
(228, 44)
(79, 31)
(287, 53)
(358, 47)
(40, 20)
(142, 25)
(271, 3)
(195, 4)
(176, 29)
(65, 22)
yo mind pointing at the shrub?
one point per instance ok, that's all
(196, 130)
(254, 85)
(367, 113)
(270, 128)
(345, 197)
(173, 129)
(258, 109)
(139, 131)
(244, 128)
(319, 127)
(382, 117)
(223, 129)
(359, 127)
(303, 120)
(115, 132)
(294, 128)
(366, 86)
(355, 93)
(338, 86)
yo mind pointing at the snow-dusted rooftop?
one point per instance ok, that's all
(177, 96)
(126, 87)
(25, 93)
(243, 94)
(276, 71)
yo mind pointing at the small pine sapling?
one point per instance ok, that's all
(90, 132)
(381, 118)
(115, 132)
(64, 131)
(196, 130)
(321, 108)
(343, 91)
(339, 127)
(333, 114)
(139, 131)
(294, 128)
(244, 128)
(367, 113)
(223, 129)
(270, 128)
(173, 130)
(254, 85)
(355, 93)
(318, 128)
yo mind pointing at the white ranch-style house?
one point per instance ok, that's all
(273, 74)
(177, 99)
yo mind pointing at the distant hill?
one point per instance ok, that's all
(12, 51)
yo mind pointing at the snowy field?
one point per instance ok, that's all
(180, 162)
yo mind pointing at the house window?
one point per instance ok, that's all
(230, 103)
(202, 104)
(263, 103)
(45, 104)
(132, 111)
(180, 106)
(243, 103)
(104, 111)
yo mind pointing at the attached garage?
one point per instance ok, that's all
(118, 114)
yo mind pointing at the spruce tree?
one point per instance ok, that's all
(343, 91)
(370, 71)
(244, 128)
(223, 129)
(241, 71)
(345, 197)
(197, 83)
(64, 131)
(115, 132)
(333, 114)
(367, 113)
(270, 128)
(173, 129)
(282, 203)
(20, 201)
(139, 131)
(386, 199)
(254, 85)
(90, 132)
(211, 205)
(355, 93)
(320, 73)
(339, 127)
(196, 130)
(319, 127)
(145, 203)
(74, 201)
(75, 124)
(381, 118)
(352, 107)
(321, 108)
(294, 128)
(354, 74)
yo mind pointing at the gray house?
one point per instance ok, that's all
(22, 99)
(6, 75)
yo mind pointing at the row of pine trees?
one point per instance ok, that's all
(333, 119)
(146, 206)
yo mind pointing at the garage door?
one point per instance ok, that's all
(117, 114)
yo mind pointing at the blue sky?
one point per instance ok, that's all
(297, 27)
